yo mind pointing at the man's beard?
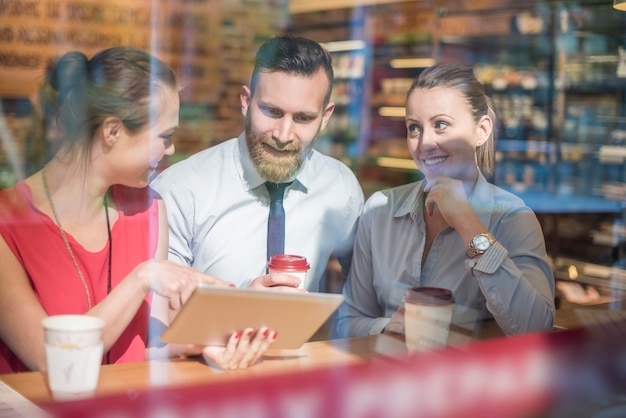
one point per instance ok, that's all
(272, 168)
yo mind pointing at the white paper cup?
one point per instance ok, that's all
(73, 354)
(427, 316)
(294, 265)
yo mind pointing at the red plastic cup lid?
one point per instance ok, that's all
(434, 296)
(288, 262)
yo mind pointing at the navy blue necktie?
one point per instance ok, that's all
(276, 219)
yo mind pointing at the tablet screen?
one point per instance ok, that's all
(213, 313)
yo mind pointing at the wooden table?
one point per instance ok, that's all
(125, 378)
(121, 378)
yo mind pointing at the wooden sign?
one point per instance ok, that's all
(184, 33)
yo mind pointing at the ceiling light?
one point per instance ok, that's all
(391, 162)
(392, 111)
(412, 62)
(352, 45)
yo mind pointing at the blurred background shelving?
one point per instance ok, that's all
(557, 74)
(555, 69)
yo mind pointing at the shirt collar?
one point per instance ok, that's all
(413, 201)
(251, 179)
(481, 201)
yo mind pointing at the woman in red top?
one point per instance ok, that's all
(85, 234)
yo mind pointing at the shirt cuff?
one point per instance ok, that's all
(490, 261)
(379, 326)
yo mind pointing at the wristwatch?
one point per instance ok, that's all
(479, 244)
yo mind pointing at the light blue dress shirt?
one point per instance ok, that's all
(218, 205)
(512, 281)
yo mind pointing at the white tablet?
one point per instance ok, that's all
(213, 313)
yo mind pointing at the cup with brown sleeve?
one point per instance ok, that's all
(427, 316)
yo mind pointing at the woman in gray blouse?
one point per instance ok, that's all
(452, 229)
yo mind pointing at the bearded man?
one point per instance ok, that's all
(218, 200)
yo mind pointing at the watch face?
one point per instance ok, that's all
(481, 243)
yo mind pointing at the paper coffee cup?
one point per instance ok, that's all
(427, 316)
(73, 354)
(295, 265)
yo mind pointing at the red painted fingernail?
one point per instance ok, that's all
(275, 334)
(231, 285)
(250, 332)
(237, 335)
(267, 331)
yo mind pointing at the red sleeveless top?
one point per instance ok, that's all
(38, 245)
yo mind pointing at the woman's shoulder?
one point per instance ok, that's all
(504, 198)
(15, 200)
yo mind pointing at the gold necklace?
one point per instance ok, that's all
(44, 180)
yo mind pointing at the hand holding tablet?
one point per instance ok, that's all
(213, 313)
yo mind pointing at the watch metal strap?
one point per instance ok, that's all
(473, 251)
